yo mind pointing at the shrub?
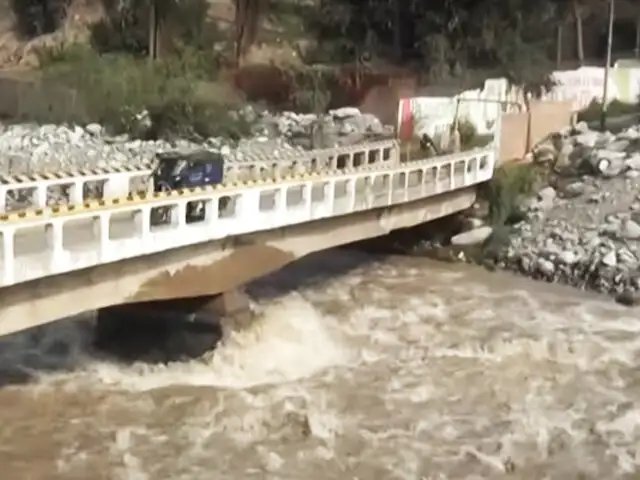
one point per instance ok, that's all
(311, 88)
(114, 89)
(615, 108)
(186, 29)
(510, 184)
(469, 137)
(468, 134)
(51, 55)
(504, 193)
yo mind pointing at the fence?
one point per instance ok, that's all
(574, 90)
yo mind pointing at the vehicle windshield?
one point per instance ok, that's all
(170, 168)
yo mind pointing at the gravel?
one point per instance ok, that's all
(584, 230)
(27, 148)
(280, 138)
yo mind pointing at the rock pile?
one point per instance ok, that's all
(579, 150)
(343, 126)
(585, 229)
(25, 148)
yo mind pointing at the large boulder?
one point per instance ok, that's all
(472, 237)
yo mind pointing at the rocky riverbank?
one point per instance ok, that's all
(582, 226)
(27, 147)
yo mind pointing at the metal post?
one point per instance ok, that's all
(605, 88)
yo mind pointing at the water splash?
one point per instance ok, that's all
(288, 340)
(403, 369)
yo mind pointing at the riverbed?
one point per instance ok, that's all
(356, 367)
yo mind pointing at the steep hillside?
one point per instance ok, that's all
(19, 52)
(278, 32)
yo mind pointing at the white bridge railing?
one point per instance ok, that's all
(60, 240)
(116, 181)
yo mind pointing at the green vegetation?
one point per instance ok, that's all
(470, 138)
(510, 186)
(615, 109)
(441, 40)
(114, 89)
(113, 82)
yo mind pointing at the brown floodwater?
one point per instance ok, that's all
(355, 367)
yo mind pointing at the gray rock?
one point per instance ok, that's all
(619, 145)
(472, 237)
(633, 162)
(587, 139)
(545, 267)
(345, 112)
(610, 259)
(582, 127)
(472, 223)
(546, 197)
(626, 257)
(607, 163)
(628, 297)
(94, 129)
(574, 190)
(546, 153)
(629, 230)
(589, 234)
(565, 156)
(568, 257)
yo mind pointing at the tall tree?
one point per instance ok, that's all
(636, 49)
(578, 16)
(247, 22)
(38, 17)
(563, 16)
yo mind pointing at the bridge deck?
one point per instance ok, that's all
(33, 253)
(55, 241)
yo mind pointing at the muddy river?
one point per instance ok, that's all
(356, 367)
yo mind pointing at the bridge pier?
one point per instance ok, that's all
(167, 330)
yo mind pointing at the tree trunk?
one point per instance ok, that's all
(153, 30)
(247, 18)
(559, 33)
(637, 47)
(397, 37)
(577, 16)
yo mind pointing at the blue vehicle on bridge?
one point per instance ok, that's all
(175, 171)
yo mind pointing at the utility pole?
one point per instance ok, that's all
(607, 67)
(636, 50)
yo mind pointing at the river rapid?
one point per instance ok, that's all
(356, 367)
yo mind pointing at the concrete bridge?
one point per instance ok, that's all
(59, 261)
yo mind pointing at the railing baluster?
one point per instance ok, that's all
(397, 185)
(8, 256)
(54, 239)
(102, 226)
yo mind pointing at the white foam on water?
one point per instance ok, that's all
(288, 341)
(417, 373)
(131, 467)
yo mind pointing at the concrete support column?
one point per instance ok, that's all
(228, 303)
